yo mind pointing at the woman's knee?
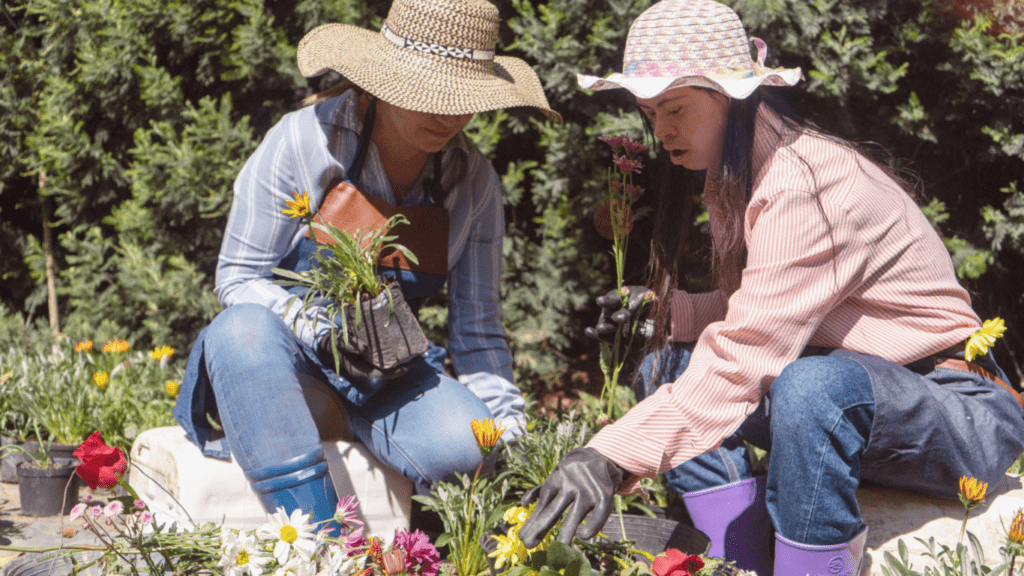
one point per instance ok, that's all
(818, 385)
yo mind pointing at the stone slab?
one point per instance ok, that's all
(892, 515)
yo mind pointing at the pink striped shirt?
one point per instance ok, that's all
(842, 260)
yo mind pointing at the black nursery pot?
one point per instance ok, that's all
(652, 535)
(384, 344)
(47, 491)
(62, 454)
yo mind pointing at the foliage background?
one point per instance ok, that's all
(136, 116)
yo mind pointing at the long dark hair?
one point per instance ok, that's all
(727, 200)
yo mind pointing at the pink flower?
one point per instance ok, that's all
(634, 191)
(614, 219)
(96, 511)
(139, 504)
(616, 185)
(633, 147)
(88, 498)
(78, 511)
(346, 513)
(355, 542)
(113, 509)
(627, 165)
(419, 552)
(616, 142)
(146, 517)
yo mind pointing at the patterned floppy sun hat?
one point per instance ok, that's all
(434, 56)
(691, 43)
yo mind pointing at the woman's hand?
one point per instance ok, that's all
(582, 485)
(614, 315)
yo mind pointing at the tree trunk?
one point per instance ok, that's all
(51, 280)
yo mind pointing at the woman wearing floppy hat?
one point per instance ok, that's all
(393, 137)
(835, 339)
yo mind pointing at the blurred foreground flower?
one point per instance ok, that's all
(675, 563)
(979, 342)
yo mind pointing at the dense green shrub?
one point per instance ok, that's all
(138, 115)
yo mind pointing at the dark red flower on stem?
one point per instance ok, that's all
(675, 563)
(102, 466)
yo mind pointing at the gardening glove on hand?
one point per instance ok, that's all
(582, 485)
(614, 316)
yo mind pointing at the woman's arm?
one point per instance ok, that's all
(259, 235)
(477, 340)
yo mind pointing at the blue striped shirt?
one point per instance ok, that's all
(308, 150)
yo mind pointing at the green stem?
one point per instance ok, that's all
(963, 527)
(1013, 559)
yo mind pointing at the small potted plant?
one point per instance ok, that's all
(378, 336)
(46, 487)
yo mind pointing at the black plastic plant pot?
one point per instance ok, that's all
(652, 535)
(47, 491)
(384, 344)
(60, 453)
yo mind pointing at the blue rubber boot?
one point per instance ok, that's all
(735, 517)
(796, 559)
(304, 483)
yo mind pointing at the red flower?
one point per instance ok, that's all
(675, 563)
(102, 466)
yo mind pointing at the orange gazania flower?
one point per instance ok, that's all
(83, 346)
(487, 434)
(116, 347)
(1016, 531)
(972, 492)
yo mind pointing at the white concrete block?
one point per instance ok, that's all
(892, 515)
(179, 484)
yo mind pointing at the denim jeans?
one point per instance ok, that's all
(834, 417)
(418, 424)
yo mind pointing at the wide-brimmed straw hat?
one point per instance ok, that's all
(691, 43)
(434, 56)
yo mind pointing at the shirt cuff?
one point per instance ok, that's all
(502, 398)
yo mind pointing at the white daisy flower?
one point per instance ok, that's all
(292, 532)
(240, 555)
(297, 566)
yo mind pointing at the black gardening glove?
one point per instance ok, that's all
(614, 315)
(582, 485)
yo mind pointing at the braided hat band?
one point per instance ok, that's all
(691, 43)
(434, 56)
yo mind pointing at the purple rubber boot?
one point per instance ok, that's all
(735, 518)
(795, 559)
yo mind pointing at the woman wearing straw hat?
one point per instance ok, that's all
(836, 338)
(393, 136)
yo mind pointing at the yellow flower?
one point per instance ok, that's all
(979, 342)
(510, 548)
(116, 347)
(160, 352)
(6, 376)
(102, 379)
(487, 434)
(299, 207)
(83, 346)
(172, 387)
(1016, 532)
(972, 492)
